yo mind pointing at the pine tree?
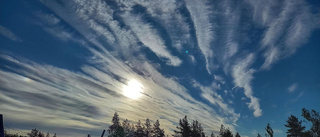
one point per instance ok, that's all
(212, 135)
(128, 129)
(148, 128)
(34, 133)
(295, 127)
(157, 131)
(222, 130)
(227, 133)
(196, 129)
(183, 128)
(237, 135)
(139, 130)
(314, 118)
(269, 130)
(115, 123)
(55, 135)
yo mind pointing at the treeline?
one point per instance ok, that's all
(33, 133)
(194, 128)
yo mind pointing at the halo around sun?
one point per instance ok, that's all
(133, 90)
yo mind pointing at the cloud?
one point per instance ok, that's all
(58, 94)
(287, 32)
(243, 75)
(150, 38)
(203, 27)
(292, 87)
(9, 34)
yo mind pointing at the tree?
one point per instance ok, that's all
(157, 131)
(48, 135)
(148, 128)
(55, 135)
(33, 133)
(269, 130)
(128, 130)
(196, 129)
(115, 123)
(139, 130)
(212, 135)
(295, 127)
(314, 118)
(259, 135)
(183, 128)
(222, 130)
(40, 134)
(227, 133)
(237, 135)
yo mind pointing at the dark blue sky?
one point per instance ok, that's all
(67, 66)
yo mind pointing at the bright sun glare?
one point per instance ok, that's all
(133, 90)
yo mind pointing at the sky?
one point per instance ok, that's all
(66, 66)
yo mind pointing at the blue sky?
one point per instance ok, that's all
(65, 64)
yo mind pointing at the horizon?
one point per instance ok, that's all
(67, 66)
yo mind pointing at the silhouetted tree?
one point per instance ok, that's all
(227, 133)
(259, 135)
(196, 129)
(295, 127)
(115, 124)
(269, 130)
(128, 129)
(212, 135)
(55, 135)
(139, 130)
(314, 118)
(222, 130)
(148, 128)
(157, 131)
(237, 135)
(184, 129)
(48, 135)
(34, 133)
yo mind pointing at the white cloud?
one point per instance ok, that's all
(150, 38)
(204, 31)
(292, 87)
(287, 31)
(9, 34)
(243, 76)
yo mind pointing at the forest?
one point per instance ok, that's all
(194, 129)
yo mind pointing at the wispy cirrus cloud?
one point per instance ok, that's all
(292, 87)
(286, 32)
(9, 34)
(62, 91)
(243, 75)
(200, 15)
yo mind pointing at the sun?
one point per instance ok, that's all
(133, 90)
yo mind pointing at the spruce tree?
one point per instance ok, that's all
(115, 124)
(157, 131)
(314, 118)
(222, 130)
(139, 130)
(148, 128)
(196, 129)
(237, 135)
(212, 135)
(295, 127)
(269, 130)
(184, 129)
